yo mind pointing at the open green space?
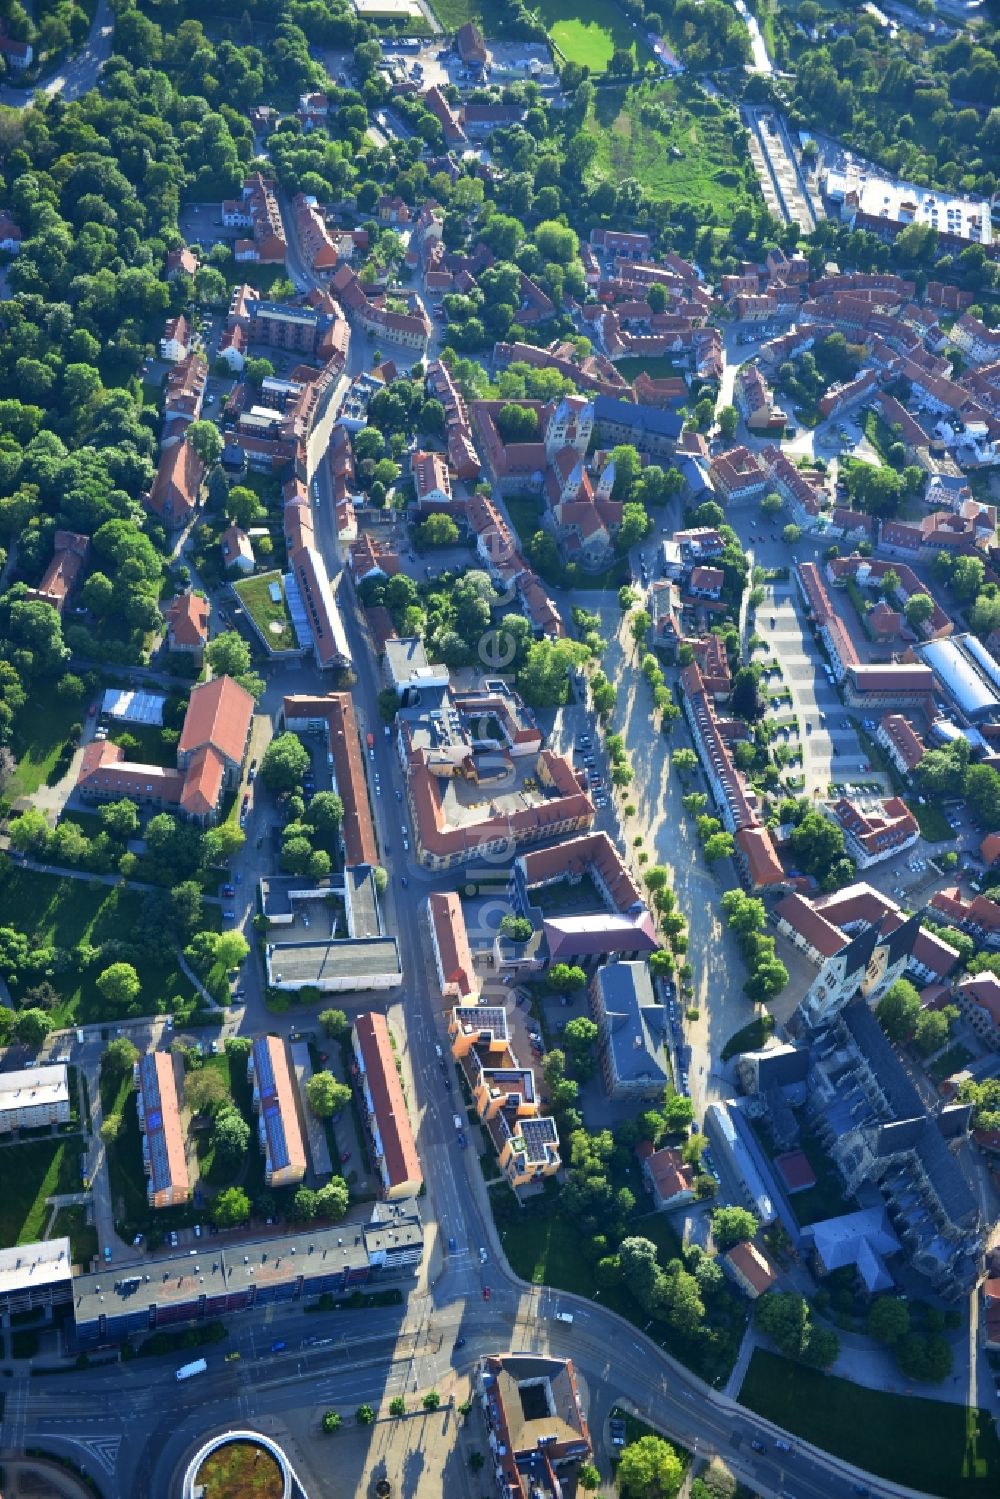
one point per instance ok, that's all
(67, 914)
(589, 32)
(542, 1243)
(31, 1173)
(72, 1223)
(950, 1061)
(933, 823)
(207, 1167)
(673, 139)
(454, 13)
(240, 1470)
(41, 729)
(272, 619)
(924, 1444)
(656, 366)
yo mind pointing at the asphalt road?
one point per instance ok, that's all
(79, 72)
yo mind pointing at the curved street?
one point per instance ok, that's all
(79, 73)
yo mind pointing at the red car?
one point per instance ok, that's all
(486, 1293)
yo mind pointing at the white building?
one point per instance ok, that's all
(33, 1097)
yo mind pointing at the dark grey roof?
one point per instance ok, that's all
(901, 1134)
(857, 954)
(871, 1041)
(782, 1066)
(954, 1120)
(642, 418)
(945, 1176)
(900, 942)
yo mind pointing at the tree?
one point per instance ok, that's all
(579, 1038)
(932, 1029)
(785, 1318)
(588, 1478)
(731, 1226)
(898, 1010)
(332, 1421)
(120, 819)
(326, 1095)
(186, 909)
(685, 760)
(982, 792)
(230, 1136)
(718, 846)
(230, 949)
(111, 1128)
(326, 813)
(228, 655)
(206, 440)
(334, 1022)
(231, 1208)
(119, 984)
(817, 844)
(925, 1358)
(119, 1058)
(728, 418)
(678, 1111)
(437, 531)
(205, 1091)
(332, 1199)
(967, 576)
(431, 1401)
(304, 1205)
(649, 1469)
(746, 700)
(566, 976)
(31, 1027)
(772, 504)
(888, 1319)
(365, 1415)
(516, 928)
(397, 1406)
(918, 609)
(285, 762)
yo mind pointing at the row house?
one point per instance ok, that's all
(973, 339)
(801, 488)
(176, 339)
(901, 742)
(274, 1096)
(843, 397)
(393, 1148)
(257, 209)
(755, 401)
(184, 396)
(462, 454)
(314, 237)
(978, 998)
(868, 573)
(978, 917)
(826, 621)
(156, 1078)
(449, 936)
(431, 481)
(187, 618)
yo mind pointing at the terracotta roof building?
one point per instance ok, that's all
(69, 556)
(751, 1269)
(174, 494)
(393, 1149)
(450, 944)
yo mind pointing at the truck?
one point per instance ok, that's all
(370, 741)
(188, 1371)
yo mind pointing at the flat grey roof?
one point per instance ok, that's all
(359, 883)
(28, 1266)
(311, 962)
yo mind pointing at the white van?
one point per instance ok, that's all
(457, 1121)
(564, 1317)
(437, 1051)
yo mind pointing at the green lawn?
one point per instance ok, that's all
(952, 1060)
(657, 367)
(454, 13)
(67, 913)
(148, 748)
(271, 619)
(675, 141)
(589, 32)
(924, 1444)
(934, 825)
(82, 1235)
(40, 731)
(32, 1172)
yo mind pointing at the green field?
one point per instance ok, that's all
(149, 748)
(454, 13)
(82, 1235)
(271, 619)
(588, 32)
(924, 1444)
(40, 731)
(66, 913)
(32, 1172)
(676, 142)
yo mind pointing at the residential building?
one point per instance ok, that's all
(187, 619)
(175, 342)
(535, 1425)
(314, 237)
(258, 210)
(901, 742)
(394, 1152)
(450, 945)
(182, 261)
(70, 552)
(739, 475)
(632, 1043)
(36, 1278)
(667, 1175)
(978, 998)
(755, 401)
(431, 480)
(751, 1268)
(176, 487)
(314, 610)
(157, 1076)
(237, 550)
(275, 1100)
(31, 1098)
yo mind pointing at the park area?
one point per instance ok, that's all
(675, 141)
(240, 1470)
(40, 743)
(70, 915)
(924, 1444)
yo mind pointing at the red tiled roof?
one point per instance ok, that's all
(389, 1106)
(219, 713)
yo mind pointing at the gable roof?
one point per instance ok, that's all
(219, 714)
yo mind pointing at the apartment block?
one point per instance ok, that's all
(33, 1097)
(390, 1134)
(275, 1101)
(157, 1076)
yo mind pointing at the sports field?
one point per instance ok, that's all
(589, 32)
